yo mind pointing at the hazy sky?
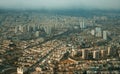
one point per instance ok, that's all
(59, 4)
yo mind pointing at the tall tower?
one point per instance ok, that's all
(110, 50)
(73, 52)
(96, 54)
(105, 35)
(82, 24)
(85, 54)
(16, 29)
(28, 28)
(47, 29)
(19, 70)
(37, 34)
(93, 32)
(21, 28)
(103, 53)
(34, 27)
(98, 32)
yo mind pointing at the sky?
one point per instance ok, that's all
(60, 4)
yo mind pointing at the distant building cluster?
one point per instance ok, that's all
(98, 32)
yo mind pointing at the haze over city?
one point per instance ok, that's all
(60, 4)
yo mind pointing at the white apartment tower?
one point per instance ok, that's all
(92, 32)
(19, 70)
(98, 32)
(20, 27)
(105, 35)
(110, 51)
(82, 24)
(96, 55)
(37, 33)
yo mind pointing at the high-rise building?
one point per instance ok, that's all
(20, 27)
(73, 52)
(28, 28)
(109, 51)
(37, 34)
(93, 32)
(105, 35)
(96, 54)
(85, 54)
(103, 53)
(34, 27)
(98, 32)
(82, 24)
(16, 29)
(38, 27)
(19, 70)
(47, 29)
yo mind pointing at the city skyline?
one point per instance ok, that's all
(59, 37)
